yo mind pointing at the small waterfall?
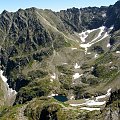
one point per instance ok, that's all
(9, 94)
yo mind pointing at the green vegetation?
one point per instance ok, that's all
(37, 74)
(41, 108)
(61, 42)
(9, 113)
(65, 70)
(106, 58)
(91, 81)
(104, 72)
(65, 81)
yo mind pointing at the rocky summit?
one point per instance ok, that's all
(60, 65)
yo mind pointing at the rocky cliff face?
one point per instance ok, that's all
(84, 18)
(74, 52)
(113, 17)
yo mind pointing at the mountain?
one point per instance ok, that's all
(60, 65)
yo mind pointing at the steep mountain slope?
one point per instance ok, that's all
(84, 18)
(73, 53)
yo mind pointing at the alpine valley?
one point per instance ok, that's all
(60, 65)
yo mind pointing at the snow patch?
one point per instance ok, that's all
(111, 27)
(89, 53)
(108, 45)
(84, 35)
(92, 68)
(117, 51)
(100, 33)
(3, 77)
(74, 48)
(51, 80)
(73, 83)
(76, 66)
(96, 55)
(62, 74)
(90, 103)
(10, 90)
(75, 105)
(95, 40)
(85, 46)
(89, 109)
(52, 95)
(65, 63)
(53, 76)
(104, 15)
(72, 98)
(77, 75)
(104, 96)
(94, 103)
(109, 91)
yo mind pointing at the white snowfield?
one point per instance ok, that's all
(52, 95)
(104, 96)
(102, 34)
(75, 105)
(65, 63)
(76, 66)
(111, 27)
(51, 80)
(96, 55)
(77, 75)
(108, 45)
(84, 35)
(92, 68)
(117, 51)
(53, 76)
(104, 15)
(3, 77)
(85, 46)
(89, 109)
(74, 48)
(110, 62)
(10, 90)
(91, 103)
(89, 53)
(94, 103)
(72, 98)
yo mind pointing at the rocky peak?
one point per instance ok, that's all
(113, 16)
(84, 18)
